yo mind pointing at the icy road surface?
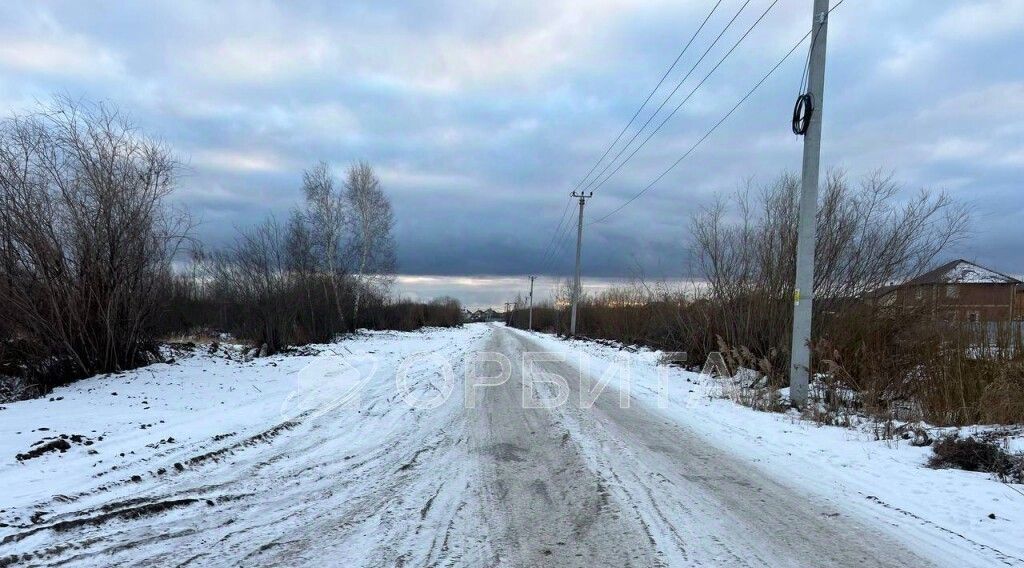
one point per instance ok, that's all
(308, 461)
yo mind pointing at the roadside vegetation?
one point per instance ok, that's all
(896, 363)
(975, 454)
(98, 266)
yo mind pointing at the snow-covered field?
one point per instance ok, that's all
(361, 455)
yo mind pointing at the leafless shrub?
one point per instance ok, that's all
(86, 239)
(405, 315)
(867, 238)
(959, 383)
(14, 388)
(254, 274)
(977, 455)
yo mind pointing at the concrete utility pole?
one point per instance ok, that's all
(583, 197)
(530, 325)
(803, 294)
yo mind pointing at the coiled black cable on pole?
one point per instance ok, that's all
(802, 112)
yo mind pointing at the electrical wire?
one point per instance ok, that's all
(548, 249)
(649, 96)
(688, 97)
(561, 237)
(664, 102)
(552, 248)
(706, 134)
(715, 127)
(563, 243)
(564, 229)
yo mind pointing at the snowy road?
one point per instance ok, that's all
(625, 487)
(476, 480)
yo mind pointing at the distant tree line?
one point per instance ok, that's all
(97, 265)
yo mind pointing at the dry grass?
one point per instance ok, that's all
(868, 362)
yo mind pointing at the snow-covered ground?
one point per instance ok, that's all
(215, 454)
(360, 455)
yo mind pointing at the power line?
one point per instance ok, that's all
(649, 97)
(552, 248)
(562, 241)
(548, 249)
(713, 128)
(689, 96)
(679, 84)
(706, 134)
(559, 240)
(591, 186)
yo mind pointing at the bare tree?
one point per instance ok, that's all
(327, 213)
(371, 222)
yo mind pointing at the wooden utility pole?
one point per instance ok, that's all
(803, 293)
(583, 197)
(508, 314)
(530, 326)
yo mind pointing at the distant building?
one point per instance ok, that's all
(483, 315)
(960, 291)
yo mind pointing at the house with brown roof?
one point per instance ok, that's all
(961, 291)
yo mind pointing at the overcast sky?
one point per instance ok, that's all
(480, 116)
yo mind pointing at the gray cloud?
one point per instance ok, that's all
(480, 116)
